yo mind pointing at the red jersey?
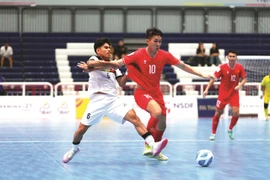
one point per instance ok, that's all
(229, 79)
(146, 70)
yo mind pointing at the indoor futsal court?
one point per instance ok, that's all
(33, 149)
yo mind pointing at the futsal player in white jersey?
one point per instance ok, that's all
(105, 101)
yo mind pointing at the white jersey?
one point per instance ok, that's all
(103, 81)
(6, 52)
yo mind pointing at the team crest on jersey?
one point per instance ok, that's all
(144, 61)
(227, 72)
(112, 70)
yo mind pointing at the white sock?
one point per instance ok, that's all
(75, 147)
(150, 141)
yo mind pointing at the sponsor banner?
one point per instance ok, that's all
(130, 101)
(183, 107)
(65, 107)
(206, 107)
(251, 105)
(18, 107)
(37, 107)
(81, 105)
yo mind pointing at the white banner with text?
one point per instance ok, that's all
(37, 107)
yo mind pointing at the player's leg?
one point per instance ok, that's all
(234, 119)
(2, 61)
(75, 144)
(265, 105)
(156, 147)
(161, 123)
(146, 102)
(93, 115)
(234, 103)
(10, 61)
(118, 112)
(220, 105)
(149, 104)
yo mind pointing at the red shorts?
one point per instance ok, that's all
(142, 98)
(232, 100)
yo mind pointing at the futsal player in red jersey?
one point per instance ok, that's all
(145, 67)
(229, 73)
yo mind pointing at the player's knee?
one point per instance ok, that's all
(132, 117)
(161, 125)
(218, 113)
(156, 112)
(235, 113)
(265, 106)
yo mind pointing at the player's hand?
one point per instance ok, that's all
(237, 88)
(205, 93)
(83, 66)
(208, 76)
(114, 65)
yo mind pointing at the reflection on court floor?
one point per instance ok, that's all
(33, 149)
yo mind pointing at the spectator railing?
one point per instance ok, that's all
(197, 89)
(28, 88)
(81, 89)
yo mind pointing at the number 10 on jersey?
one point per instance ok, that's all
(152, 69)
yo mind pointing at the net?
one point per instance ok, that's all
(256, 67)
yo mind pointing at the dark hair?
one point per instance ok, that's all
(100, 42)
(216, 45)
(232, 51)
(150, 32)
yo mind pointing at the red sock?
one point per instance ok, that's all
(158, 135)
(151, 126)
(215, 122)
(233, 122)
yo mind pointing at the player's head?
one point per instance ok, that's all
(232, 56)
(154, 38)
(102, 48)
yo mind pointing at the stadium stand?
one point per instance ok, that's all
(35, 53)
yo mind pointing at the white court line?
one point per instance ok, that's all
(132, 141)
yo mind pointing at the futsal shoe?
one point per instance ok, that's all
(158, 146)
(69, 155)
(231, 135)
(147, 151)
(212, 137)
(161, 157)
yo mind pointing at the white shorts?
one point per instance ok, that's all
(101, 105)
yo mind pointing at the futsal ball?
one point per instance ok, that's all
(204, 157)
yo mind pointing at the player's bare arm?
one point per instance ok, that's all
(211, 82)
(120, 62)
(122, 81)
(189, 69)
(241, 84)
(101, 65)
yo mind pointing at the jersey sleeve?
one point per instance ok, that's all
(118, 73)
(243, 73)
(218, 72)
(131, 58)
(93, 58)
(171, 59)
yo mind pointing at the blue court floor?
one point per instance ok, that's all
(33, 149)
